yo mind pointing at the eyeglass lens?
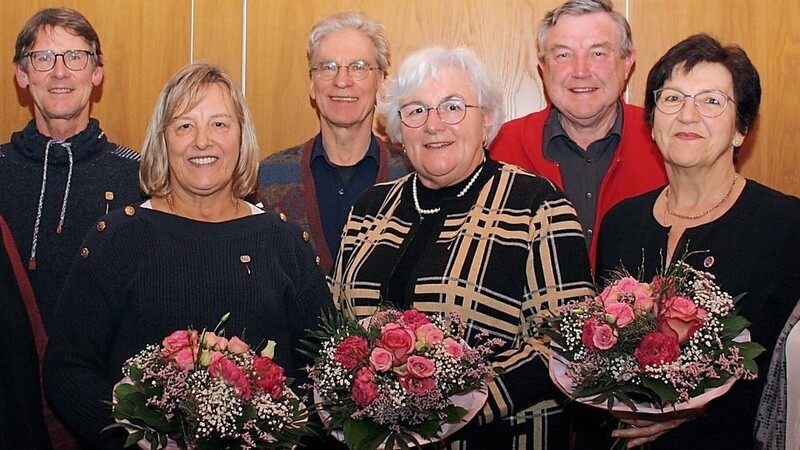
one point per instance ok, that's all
(708, 103)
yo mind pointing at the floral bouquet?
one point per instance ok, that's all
(397, 378)
(199, 390)
(675, 343)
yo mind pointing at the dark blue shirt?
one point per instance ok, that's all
(338, 187)
(582, 170)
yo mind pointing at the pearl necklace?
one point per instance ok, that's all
(713, 208)
(415, 195)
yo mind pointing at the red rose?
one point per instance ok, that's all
(268, 377)
(365, 391)
(656, 348)
(679, 317)
(398, 340)
(351, 352)
(414, 319)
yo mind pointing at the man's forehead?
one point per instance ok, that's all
(56, 34)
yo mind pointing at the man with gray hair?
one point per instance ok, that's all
(590, 143)
(317, 182)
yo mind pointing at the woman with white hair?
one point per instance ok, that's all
(468, 235)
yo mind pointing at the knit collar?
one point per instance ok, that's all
(32, 144)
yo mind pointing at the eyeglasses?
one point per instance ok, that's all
(451, 112)
(709, 103)
(45, 60)
(357, 70)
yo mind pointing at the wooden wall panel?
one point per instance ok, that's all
(142, 46)
(218, 28)
(768, 32)
(501, 32)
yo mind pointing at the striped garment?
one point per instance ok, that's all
(503, 254)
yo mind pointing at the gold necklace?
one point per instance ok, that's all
(713, 208)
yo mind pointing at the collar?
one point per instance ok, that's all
(31, 143)
(553, 129)
(318, 151)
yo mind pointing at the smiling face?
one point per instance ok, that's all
(60, 96)
(583, 70)
(203, 147)
(443, 154)
(343, 102)
(687, 139)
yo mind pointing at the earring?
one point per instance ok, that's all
(735, 142)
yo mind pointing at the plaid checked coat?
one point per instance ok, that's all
(502, 254)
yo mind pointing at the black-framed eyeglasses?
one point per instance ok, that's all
(451, 112)
(357, 70)
(45, 60)
(709, 103)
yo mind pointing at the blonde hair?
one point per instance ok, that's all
(185, 90)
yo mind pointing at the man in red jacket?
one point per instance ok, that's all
(591, 144)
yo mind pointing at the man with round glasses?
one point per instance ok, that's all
(590, 143)
(317, 182)
(60, 173)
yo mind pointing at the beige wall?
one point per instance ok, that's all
(262, 43)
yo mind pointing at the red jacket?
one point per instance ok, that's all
(637, 166)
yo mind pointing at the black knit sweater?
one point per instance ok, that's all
(144, 274)
(99, 166)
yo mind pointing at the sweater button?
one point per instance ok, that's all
(84, 253)
(283, 217)
(306, 236)
(101, 226)
(130, 210)
(316, 260)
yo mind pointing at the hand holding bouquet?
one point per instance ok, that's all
(676, 342)
(201, 390)
(397, 378)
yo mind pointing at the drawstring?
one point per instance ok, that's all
(60, 228)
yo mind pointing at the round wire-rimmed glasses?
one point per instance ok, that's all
(709, 103)
(357, 70)
(450, 112)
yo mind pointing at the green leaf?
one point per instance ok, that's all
(133, 438)
(733, 324)
(749, 350)
(454, 414)
(363, 434)
(664, 392)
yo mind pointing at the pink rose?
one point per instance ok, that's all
(365, 391)
(453, 348)
(417, 386)
(610, 295)
(420, 366)
(268, 377)
(237, 346)
(414, 319)
(351, 352)
(626, 285)
(181, 348)
(604, 337)
(184, 358)
(213, 342)
(679, 318)
(643, 297)
(587, 334)
(398, 340)
(655, 349)
(620, 314)
(232, 375)
(380, 359)
(429, 334)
